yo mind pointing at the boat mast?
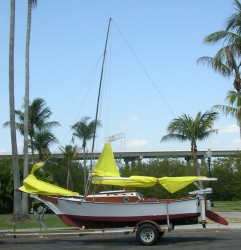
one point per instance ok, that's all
(97, 111)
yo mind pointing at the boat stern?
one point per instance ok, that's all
(204, 207)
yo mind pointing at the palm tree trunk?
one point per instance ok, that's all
(195, 162)
(69, 179)
(32, 149)
(16, 174)
(26, 110)
(84, 170)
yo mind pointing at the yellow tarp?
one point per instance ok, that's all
(33, 185)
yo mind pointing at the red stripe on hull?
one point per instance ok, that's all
(115, 222)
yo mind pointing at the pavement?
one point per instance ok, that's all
(229, 216)
(234, 219)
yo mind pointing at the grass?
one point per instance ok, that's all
(52, 221)
(227, 206)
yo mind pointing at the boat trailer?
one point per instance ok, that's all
(147, 232)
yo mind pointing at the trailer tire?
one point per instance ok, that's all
(147, 234)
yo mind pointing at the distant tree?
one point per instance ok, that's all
(6, 186)
(42, 139)
(84, 130)
(185, 128)
(39, 115)
(228, 173)
(70, 154)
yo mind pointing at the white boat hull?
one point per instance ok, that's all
(81, 213)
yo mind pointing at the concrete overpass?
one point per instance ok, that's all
(138, 155)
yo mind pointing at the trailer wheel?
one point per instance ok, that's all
(147, 234)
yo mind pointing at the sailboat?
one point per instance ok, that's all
(126, 207)
(123, 208)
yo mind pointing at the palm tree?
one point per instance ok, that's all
(185, 128)
(231, 35)
(227, 60)
(42, 139)
(16, 175)
(70, 154)
(234, 107)
(31, 3)
(39, 114)
(85, 131)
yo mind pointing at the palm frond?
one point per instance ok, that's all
(234, 21)
(185, 128)
(177, 137)
(216, 64)
(227, 110)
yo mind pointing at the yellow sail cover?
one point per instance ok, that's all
(171, 184)
(106, 173)
(33, 185)
(133, 181)
(174, 184)
(106, 165)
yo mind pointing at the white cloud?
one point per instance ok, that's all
(236, 141)
(136, 143)
(233, 128)
(135, 117)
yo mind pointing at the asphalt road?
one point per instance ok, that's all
(206, 239)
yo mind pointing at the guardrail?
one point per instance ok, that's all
(148, 154)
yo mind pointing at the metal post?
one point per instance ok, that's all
(209, 155)
(209, 168)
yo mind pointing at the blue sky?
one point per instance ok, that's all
(151, 73)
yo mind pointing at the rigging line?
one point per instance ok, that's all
(107, 92)
(109, 96)
(143, 68)
(89, 87)
(92, 72)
